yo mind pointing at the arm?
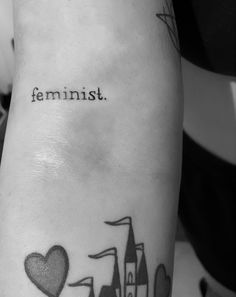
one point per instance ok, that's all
(93, 137)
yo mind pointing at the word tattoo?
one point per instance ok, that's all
(49, 273)
(68, 95)
(167, 16)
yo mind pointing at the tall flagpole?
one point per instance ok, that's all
(85, 282)
(115, 283)
(130, 261)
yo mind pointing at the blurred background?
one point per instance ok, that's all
(6, 63)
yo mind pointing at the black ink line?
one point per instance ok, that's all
(130, 261)
(82, 282)
(172, 30)
(115, 283)
(123, 221)
(165, 17)
(85, 282)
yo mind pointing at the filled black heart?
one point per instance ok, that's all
(48, 273)
(162, 282)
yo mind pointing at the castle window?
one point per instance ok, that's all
(130, 278)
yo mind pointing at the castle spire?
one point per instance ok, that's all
(115, 283)
(107, 291)
(130, 253)
(142, 274)
(130, 259)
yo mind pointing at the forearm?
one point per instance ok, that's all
(71, 163)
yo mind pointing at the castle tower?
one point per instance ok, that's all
(115, 283)
(142, 274)
(85, 282)
(107, 291)
(130, 260)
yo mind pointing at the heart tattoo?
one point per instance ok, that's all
(48, 273)
(162, 282)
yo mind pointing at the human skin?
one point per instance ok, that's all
(68, 166)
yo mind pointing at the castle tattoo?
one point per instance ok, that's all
(49, 273)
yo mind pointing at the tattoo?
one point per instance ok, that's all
(86, 282)
(69, 95)
(131, 272)
(167, 16)
(115, 283)
(162, 282)
(49, 273)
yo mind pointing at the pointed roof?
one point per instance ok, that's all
(142, 275)
(130, 253)
(91, 293)
(116, 276)
(107, 291)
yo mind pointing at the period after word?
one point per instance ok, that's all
(82, 94)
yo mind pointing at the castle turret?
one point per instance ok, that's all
(142, 274)
(107, 291)
(115, 283)
(130, 260)
(85, 282)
